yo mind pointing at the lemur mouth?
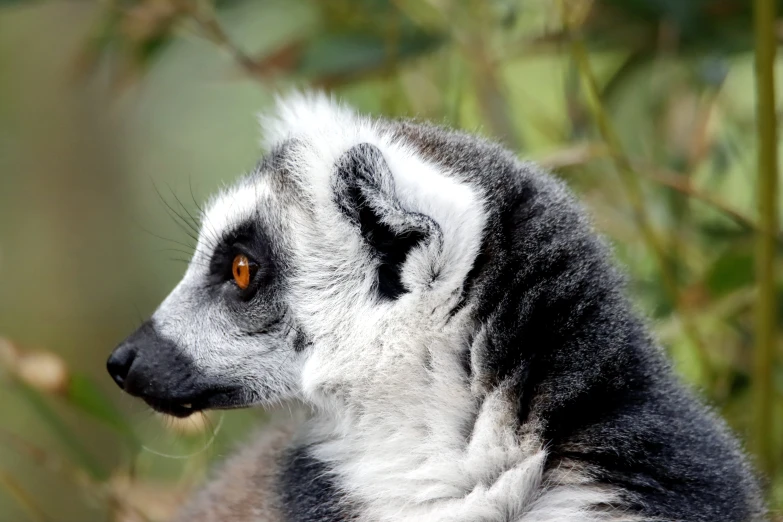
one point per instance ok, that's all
(181, 410)
(155, 370)
(215, 399)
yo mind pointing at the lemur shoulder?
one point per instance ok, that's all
(453, 328)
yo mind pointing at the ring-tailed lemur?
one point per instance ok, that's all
(454, 329)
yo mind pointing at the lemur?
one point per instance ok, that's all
(452, 328)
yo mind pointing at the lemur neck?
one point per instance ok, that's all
(429, 439)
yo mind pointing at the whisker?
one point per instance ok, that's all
(186, 261)
(206, 446)
(180, 220)
(208, 229)
(190, 187)
(179, 251)
(193, 221)
(138, 314)
(186, 245)
(285, 360)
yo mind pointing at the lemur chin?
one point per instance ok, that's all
(453, 329)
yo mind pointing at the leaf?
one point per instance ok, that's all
(722, 234)
(64, 434)
(85, 395)
(693, 25)
(731, 271)
(332, 57)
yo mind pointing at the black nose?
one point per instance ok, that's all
(153, 368)
(120, 362)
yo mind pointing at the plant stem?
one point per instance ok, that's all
(24, 499)
(766, 313)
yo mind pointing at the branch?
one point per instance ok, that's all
(208, 27)
(682, 184)
(583, 154)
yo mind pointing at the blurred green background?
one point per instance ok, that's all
(117, 115)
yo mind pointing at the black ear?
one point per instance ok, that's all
(365, 193)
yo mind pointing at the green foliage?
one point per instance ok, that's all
(730, 272)
(640, 105)
(80, 455)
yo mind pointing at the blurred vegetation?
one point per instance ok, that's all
(647, 108)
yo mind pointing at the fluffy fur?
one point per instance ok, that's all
(454, 329)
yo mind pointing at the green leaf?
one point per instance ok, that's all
(337, 56)
(85, 395)
(714, 25)
(63, 433)
(731, 271)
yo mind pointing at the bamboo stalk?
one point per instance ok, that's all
(766, 306)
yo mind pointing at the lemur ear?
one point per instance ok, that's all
(365, 193)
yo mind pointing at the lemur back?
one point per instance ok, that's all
(451, 324)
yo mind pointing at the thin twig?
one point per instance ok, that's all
(203, 14)
(583, 154)
(683, 185)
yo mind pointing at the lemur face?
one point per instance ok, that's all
(333, 272)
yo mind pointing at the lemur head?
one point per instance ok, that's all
(334, 272)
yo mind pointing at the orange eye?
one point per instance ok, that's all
(241, 270)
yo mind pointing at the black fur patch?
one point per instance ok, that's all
(390, 247)
(301, 341)
(361, 175)
(307, 492)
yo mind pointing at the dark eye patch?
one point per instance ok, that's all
(247, 239)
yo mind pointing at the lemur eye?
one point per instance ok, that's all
(241, 268)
